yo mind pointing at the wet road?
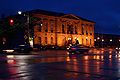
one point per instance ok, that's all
(58, 65)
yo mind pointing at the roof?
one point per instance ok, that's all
(85, 19)
(51, 13)
(57, 14)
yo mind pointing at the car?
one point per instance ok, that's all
(7, 49)
(23, 49)
(117, 48)
(73, 49)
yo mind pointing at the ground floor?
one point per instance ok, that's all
(63, 39)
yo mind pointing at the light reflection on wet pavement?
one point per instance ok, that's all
(58, 65)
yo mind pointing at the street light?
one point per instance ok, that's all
(94, 39)
(19, 12)
(102, 40)
(119, 40)
(98, 38)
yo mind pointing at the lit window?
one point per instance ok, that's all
(90, 41)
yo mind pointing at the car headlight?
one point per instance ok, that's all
(116, 48)
(9, 51)
(67, 48)
(119, 48)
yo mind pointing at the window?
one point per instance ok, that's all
(63, 31)
(39, 40)
(70, 29)
(90, 41)
(86, 41)
(90, 33)
(75, 30)
(51, 26)
(40, 27)
(45, 40)
(86, 33)
(51, 40)
(82, 30)
(90, 30)
(82, 41)
(46, 27)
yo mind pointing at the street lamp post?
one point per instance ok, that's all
(110, 42)
(19, 12)
(98, 40)
(102, 42)
(29, 37)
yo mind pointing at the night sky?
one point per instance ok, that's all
(106, 13)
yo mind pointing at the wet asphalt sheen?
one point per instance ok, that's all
(102, 64)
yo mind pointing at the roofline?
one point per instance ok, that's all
(59, 14)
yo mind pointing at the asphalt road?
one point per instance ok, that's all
(58, 65)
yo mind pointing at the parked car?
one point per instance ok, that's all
(23, 49)
(117, 48)
(6, 49)
(73, 49)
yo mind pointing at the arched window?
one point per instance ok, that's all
(70, 29)
(51, 40)
(82, 41)
(90, 41)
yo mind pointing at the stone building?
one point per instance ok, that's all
(61, 29)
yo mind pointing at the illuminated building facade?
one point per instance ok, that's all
(62, 29)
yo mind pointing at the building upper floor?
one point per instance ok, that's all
(54, 22)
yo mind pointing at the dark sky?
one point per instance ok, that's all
(106, 13)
